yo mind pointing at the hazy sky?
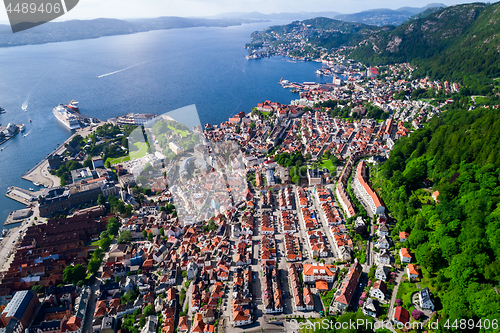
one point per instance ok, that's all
(88, 9)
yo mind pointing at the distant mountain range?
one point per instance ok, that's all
(453, 42)
(456, 42)
(378, 17)
(86, 29)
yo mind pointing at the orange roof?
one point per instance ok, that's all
(404, 234)
(412, 269)
(318, 269)
(405, 253)
(321, 285)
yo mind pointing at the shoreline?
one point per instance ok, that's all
(126, 33)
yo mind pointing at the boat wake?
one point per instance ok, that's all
(24, 106)
(121, 70)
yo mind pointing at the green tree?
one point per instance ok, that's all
(113, 226)
(124, 237)
(73, 274)
(101, 200)
(105, 242)
(93, 266)
(148, 310)
(37, 288)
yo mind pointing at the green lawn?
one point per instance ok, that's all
(183, 133)
(143, 150)
(118, 160)
(405, 290)
(326, 163)
(480, 100)
(327, 298)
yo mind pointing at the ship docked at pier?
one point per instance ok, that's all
(64, 114)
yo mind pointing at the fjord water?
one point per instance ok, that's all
(152, 72)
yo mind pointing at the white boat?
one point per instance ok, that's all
(65, 117)
(31, 189)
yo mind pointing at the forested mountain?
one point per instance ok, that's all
(457, 240)
(450, 43)
(385, 16)
(454, 43)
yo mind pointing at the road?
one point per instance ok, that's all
(9, 244)
(40, 174)
(87, 325)
(399, 276)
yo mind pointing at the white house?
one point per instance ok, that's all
(382, 273)
(384, 257)
(424, 299)
(370, 308)
(379, 290)
(405, 255)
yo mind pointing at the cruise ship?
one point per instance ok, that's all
(65, 117)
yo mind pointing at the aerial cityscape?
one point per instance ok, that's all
(239, 173)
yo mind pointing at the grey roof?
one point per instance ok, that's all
(384, 253)
(18, 304)
(383, 227)
(425, 295)
(382, 270)
(371, 305)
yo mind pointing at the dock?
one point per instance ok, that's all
(21, 195)
(19, 216)
(40, 172)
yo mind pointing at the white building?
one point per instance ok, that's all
(369, 197)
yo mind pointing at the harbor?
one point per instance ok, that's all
(40, 172)
(21, 195)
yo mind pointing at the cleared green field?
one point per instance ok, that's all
(327, 164)
(480, 100)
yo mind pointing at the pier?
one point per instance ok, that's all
(40, 172)
(21, 195)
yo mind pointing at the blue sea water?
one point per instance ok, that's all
(153, 72)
